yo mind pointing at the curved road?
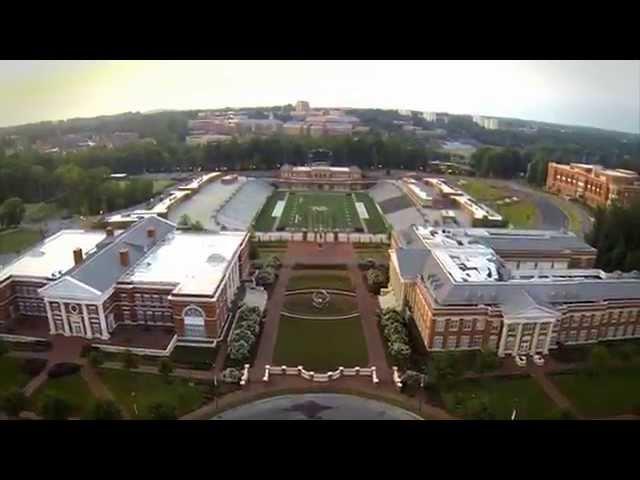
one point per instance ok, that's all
(317, 406)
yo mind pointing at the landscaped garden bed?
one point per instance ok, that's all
(320, 345)
(197, 358)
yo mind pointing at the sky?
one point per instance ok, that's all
(604, 94)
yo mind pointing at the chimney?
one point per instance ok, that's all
(124, 257)
(77, 256)
(151, 233)
(109, 231)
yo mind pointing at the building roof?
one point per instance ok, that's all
(103, 269)
(204, 258)
(54, 256)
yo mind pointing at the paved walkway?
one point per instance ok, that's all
(552, 391)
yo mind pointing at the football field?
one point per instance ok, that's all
(320, 211)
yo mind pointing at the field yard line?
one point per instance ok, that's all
(277, 221)
(362, 222)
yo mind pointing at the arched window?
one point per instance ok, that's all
(193, 321)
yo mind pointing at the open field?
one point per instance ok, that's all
(14, 241)
(520, 214)
(149, 389)
(320, 279)
(482, 190)
(265, 221)
(320, 211)
(614, 392)
(72, 388)
(320, 345)
(502, 395)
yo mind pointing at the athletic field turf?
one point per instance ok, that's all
(320, 211)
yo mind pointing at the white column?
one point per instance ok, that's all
(535, 338)
(52, 326)
(548, 342)
(65, 322)
(503, 337)
(516, 347)
(103, 323)
(86, 321)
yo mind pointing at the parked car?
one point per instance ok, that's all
(521, 360)
(538, 359)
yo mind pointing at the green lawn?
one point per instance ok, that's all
(482, 190)
(502, 395)
(72, 388)
(612, 393)
(11, 376)
(150, 388)
(320, 211)
(160, 185)
(320, 345)
(265, 222)
(320, 279)
(521, 214)
(15, 241)
(375, 223)
(338, 305)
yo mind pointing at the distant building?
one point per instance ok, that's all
(294, 128)
(205, 139)
(302, 106)
(405, 113)
(320, 176)
(487, 122)
(435, 117)
(593, 184)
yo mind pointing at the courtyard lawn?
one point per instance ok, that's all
(320, 211)
(15, 241)
(375, 223)
(482, 190)
(72, 388)
(302, 304)
(521, 214)
(148, 389)
(161, 185)
(502, 396)
(11, 376)
(320, 345)
(336, 279)
(615, 392)
(265, 221)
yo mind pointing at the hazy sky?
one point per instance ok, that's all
(602, 94)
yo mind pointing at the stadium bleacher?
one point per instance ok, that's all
(240, 209)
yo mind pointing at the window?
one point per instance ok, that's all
(95, 329)
(453, 324)
(593, 334)
(511, 341)
(193, 321)
(574, 321)
(565, 321)
(479, 323)
(620, 332)
(583, 336)
(562, 337)
(437, 341)
(476, 341)
(611, 331)
(439, 325)
(573, 335)
(542, 340)
(585, 321)
(495, 326)
(452, 340)
(464, 341)
(493, 342)
(596, 320)
(467, 324)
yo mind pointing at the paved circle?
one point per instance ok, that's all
(316, 406)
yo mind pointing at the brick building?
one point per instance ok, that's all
(515, 291)
(92, 283)
(593, 184)
(322, 177)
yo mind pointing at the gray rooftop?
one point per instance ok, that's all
(103, 269)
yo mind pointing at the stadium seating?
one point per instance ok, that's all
(239, 210)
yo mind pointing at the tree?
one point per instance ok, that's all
(14, 402)
(165, 368)
(244, 335)
(399, 351)
(231, 375)
(375, 280)
(162, 411)
(56, 408)
(129, 360)
(185, 221)
(197, 226)
(239, 351)
(266, 276)
(12, 212)
(599, 359)
(105, 410)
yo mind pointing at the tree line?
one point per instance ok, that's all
(616, 235)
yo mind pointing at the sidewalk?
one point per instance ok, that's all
(552, 391)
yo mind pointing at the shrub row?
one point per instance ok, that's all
(244, 336)
(394, 329)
